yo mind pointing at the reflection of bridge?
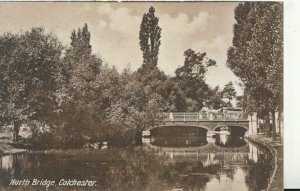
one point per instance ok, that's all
(210, 123)
(209, 154)
(209, 147)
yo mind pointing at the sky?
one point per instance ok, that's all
(202, 26)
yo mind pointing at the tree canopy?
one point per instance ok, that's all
(149, 36)
(191, 80)
(229, 92)
(256, 55)
(68, 96)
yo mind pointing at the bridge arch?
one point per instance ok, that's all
(182, 126)
(216, 128)
(238, 130)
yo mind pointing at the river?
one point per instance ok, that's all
(175, 163)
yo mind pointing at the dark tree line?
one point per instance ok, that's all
(68, 97)
(256, 57)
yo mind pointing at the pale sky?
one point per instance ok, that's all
(202, 26)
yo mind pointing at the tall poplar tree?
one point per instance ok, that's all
(256, 56)
(150, 39)
(80, 92)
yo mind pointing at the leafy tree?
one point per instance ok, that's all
(195, 65)
(191, 78)
(256, 56)
(81, 96)
(80, 41)
(269, 40)
(71, 98)
(215, 101)
(229, 92)
(11, 113)
(149, 74)
(29, 62)
(150, 39)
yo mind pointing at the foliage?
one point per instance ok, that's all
(195, 65)
(229, 92)
(150, 39)
(68, 97)
(256, 56)
(191, 79)
(29, 64)
(215, 101)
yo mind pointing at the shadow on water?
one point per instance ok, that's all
(177, 136)
(114, 169)
(182, 141)
(175, 131)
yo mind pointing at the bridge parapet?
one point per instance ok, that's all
(199, 116)
(209, 125)
(197, 119)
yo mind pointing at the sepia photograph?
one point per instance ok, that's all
(141, 96)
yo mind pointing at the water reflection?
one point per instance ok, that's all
(230, 141)
(188, 166)
(7, 162)
(179, 141)
(225, 181)
(229, 162)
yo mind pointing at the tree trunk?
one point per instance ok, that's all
(257, 124)
(16, 131)
(267, 123)
(279, 124)
(133, 138)
(264, 126)
(251, 122)
(274, 125)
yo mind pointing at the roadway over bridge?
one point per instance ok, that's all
(211, 123)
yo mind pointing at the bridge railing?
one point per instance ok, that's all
(198, 116)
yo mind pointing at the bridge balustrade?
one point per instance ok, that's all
(199, 116)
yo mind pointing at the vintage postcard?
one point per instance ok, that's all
(141, 96)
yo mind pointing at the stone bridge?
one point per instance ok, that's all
(211, 123)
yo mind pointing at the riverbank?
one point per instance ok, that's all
(276, 148)
(6, 148)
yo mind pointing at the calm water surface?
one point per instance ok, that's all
(174, 163)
